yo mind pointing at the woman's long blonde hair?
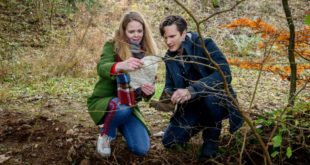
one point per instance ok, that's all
(121, 42)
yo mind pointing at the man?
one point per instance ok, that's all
(196, 87)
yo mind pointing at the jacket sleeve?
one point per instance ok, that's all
(107, 60)
(169, 85)
(213, 82)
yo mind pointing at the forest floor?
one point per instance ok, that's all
(41, 127)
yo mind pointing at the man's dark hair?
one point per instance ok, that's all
(173, 19)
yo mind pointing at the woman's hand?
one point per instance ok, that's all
(148, 89)
(130, 64)
(180, 96)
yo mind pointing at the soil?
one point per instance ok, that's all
(45, 129)
(60, 131)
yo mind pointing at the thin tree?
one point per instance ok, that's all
(291, 50)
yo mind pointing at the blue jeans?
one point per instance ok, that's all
(121, 117)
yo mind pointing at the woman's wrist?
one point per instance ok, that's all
(115, 69)
(118, 67)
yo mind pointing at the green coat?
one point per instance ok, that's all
(106, 87)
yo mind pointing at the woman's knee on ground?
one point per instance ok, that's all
(139, 150)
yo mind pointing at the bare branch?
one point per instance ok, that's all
(267, 55)
(220, 12)
(300, 55)
(242, 149)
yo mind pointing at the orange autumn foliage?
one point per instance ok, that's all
(283, 71)
(280, 38)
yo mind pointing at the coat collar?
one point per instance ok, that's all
(188, 43)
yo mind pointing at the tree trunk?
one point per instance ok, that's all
(291, 55)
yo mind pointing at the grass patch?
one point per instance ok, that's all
(159, 87)
(75, 88)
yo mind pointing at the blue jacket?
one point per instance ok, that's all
(203, 78)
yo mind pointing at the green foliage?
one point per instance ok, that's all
(289, 152)
(216, 3)
(73, 88)
(8, 59)
(307, 19)
(266, 121)
(301, 107)
(4, 94)
(286, 134)
(245, 45)
(274, 154)
(158, 90)
(89, 3)
(277, 141)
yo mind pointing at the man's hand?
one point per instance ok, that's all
(180, 96)
(130, 64)
(148, 89)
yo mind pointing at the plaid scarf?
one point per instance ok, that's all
(125, 93)
(137, 51)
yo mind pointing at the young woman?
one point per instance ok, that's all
(113, 102)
